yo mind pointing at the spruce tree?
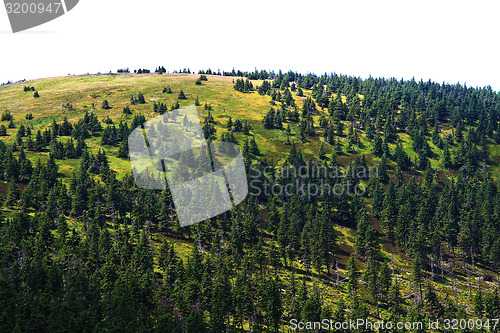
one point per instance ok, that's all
(321, 152)
(13, 193)
(105, 105)
(371, 278)
(123, 149)
(417, 275)
(352, 277)
(141, 99)
(446, 159)
(311, 309)
(478, 304)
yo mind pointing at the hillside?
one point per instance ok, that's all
(416, 246)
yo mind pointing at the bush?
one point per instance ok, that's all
(141, 99)
(182, 95)
(6, 116)
(3, 130)
(35, 94)
(175, 106)
(105, 105)
(126, 110)
(198, 82)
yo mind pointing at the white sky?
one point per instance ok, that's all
(451, 41)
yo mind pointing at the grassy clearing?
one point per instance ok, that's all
(87, 92)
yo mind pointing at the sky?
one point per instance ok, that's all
(445, 41)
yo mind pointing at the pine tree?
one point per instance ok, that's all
(268, 119)
(273, 304)
(278, 120)
(321, 152)
(376, 193)
(123, 149)
(401, 158)
(141, 99)
(446, 157)
(220, 300)
(353, 276)
(105, 105)
(394, 298)
(383, 176)
(371, 278)
(496, 137)
(377, 146)
(478, 304)
(495, 254)
(311, 309)
(13, 194)
(385, 278)
(239, 85)
(142, 254)
(62, 227)
(417, 277)
(126, 110)
(366, 241)
(431, 303)
(247, 86)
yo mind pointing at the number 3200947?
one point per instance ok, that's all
(32, 8)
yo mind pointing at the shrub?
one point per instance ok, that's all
(105, 105)
(126, 110)
(141, 99)
(6, 116)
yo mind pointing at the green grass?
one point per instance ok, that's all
(86, 92)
